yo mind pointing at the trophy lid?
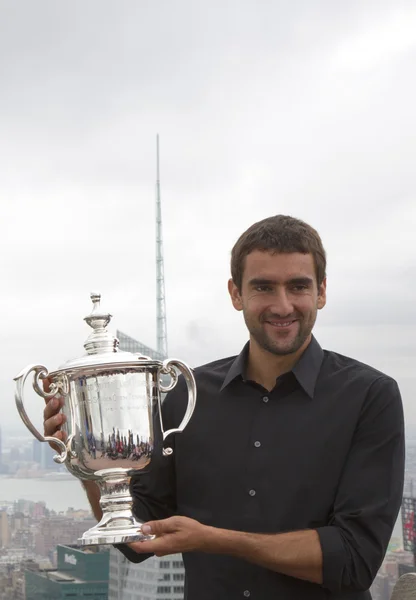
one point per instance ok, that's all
(101, 345)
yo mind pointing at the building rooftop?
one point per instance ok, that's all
(59, 576)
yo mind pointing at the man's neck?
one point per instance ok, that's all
(264, 368)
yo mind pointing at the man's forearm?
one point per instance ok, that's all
(93, 495)
(297, 554)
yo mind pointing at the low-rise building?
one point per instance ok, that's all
(80, 573)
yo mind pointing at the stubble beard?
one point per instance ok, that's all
(280, 347)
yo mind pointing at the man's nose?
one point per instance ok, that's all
(281, 304)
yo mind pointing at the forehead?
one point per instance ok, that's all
(278, 266)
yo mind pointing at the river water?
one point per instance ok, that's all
(58, 495)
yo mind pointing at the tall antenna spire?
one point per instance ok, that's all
(162, 342)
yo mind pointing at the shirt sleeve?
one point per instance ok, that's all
(369, 494)
(154, 490)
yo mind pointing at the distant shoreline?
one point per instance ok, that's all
(48, 476)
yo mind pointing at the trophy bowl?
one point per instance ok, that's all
(109, 398)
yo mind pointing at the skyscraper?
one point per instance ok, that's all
(4, 529)
(43, 455)
(37, 451)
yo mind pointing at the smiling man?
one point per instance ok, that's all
(279, 294)
(288, 480)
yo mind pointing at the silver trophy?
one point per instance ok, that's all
(110, 399)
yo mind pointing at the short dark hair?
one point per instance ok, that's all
(278, 234)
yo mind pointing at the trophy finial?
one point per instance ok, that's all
(95, 296)
(100, 340)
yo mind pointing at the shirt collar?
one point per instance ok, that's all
(237, 367)
(306, 370)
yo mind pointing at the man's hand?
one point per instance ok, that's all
(174, 535)
(53, 419)
(297, 553)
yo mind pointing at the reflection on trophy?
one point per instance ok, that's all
(110, 398)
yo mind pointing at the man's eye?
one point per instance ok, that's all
(263, 288)
(300, 288)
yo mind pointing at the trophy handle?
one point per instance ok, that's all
(40, 372)
(168, 368)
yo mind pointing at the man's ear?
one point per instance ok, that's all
(235, 295)
(322, 294)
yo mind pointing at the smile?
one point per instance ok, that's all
(280, 325)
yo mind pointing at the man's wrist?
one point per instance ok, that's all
(87, 484)
(217, 541)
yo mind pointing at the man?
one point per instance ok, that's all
(288, 480)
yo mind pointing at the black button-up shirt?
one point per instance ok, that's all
(323, 450)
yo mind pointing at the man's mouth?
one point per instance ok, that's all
(281, 324)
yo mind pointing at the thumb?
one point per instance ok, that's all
(158, 527)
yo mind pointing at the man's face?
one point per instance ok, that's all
(279, 298)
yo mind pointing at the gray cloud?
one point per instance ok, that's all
(262, 108)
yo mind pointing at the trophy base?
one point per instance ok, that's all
(115, 528)
(118, 524)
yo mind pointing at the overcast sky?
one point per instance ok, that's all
(304, 108)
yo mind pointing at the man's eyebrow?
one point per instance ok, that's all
(301, 281)
(292, 281)
(261, 281)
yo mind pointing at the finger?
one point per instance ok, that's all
(60, 435)
(54, 424)
(159, 527)
(142, 547)
(52, 407)
(159, 547)
(46, 386)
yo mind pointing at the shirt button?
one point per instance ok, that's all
(257, 444)
(265, 398)
(246, 593)
(252, 492)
